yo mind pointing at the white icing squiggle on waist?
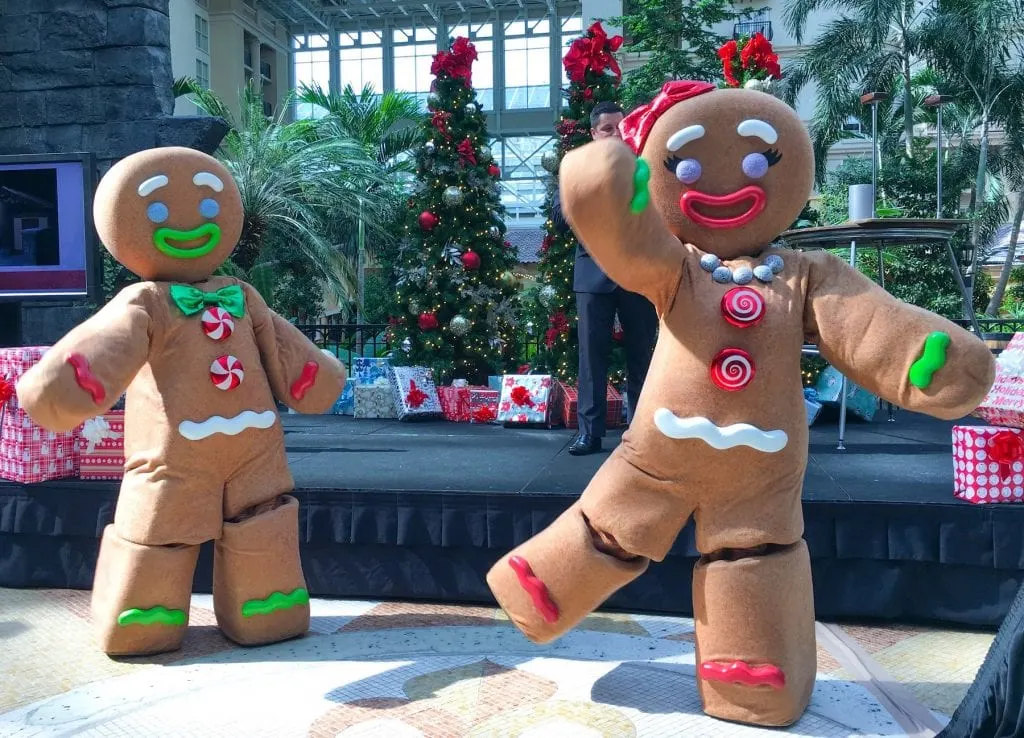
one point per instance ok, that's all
(228, 426)
(721, 438)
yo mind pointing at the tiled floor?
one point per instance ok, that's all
(401, 670)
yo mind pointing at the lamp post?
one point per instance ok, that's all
(872, 99)
(937, 101)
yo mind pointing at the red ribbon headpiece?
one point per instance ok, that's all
(636, 126)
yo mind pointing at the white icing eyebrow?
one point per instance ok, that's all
(684, 136)
(758, 128)
(209, 180)
(152, 184)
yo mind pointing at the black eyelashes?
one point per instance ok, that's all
(671, 162)
(773, 156)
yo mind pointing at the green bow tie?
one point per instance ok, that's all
(191, 300)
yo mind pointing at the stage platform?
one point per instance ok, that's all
(420, 511)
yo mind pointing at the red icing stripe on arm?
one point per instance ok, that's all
(740, 672)
(534, 587)
(86, 379)
(305, 380)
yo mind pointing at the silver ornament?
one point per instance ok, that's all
(722, 275)
(430, 147)
(452, 196)
(549, 161)
(529, 328)
(459, 326)
(414, 307)
(742, 275)
(406, 345)
(774, 262)
(546, 295)
(764, 273)
(485, 153)
(710, 262)
(496, 343)
(471, 108)
(494, 231)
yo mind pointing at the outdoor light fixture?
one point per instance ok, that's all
(872, 99)
(937, 101)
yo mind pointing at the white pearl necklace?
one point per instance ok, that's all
(743, 274)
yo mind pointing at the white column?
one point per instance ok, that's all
(602, 9)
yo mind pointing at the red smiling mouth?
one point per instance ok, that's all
(692, 198)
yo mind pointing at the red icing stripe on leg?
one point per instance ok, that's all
(740, 672)
(86, 379)
(534, 587)
(305, 380)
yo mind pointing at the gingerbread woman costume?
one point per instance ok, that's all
(203, 360)
(720, 432)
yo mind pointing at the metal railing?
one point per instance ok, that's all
(749, 28)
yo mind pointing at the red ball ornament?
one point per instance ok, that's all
(427, 321)
(471, 260)
(494, 170)
(428, 220)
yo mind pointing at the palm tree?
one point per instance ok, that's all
(302, 196)
(1012, 168)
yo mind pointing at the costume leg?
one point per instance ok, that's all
(141, 595)
(640, 328)
(756, 654)
(596, 319)
(605, 540)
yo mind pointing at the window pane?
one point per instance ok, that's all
(515, 28)
(540, 27)
(348, 39)
(572, 25)
(484, 30)
(318, 41)
(426, 34)
(402, 35)
(372, 38)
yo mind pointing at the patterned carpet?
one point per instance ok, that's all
(434, 671)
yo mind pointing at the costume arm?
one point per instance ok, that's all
(636, 250)
(85, 373)
(301, 375)
(906, 355)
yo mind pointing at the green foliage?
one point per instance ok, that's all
(677, 34)
(431, 277)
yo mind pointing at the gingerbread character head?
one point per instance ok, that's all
(730, 169)
(169, 214)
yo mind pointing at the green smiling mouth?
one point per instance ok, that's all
(209, 231)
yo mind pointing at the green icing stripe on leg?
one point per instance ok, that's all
(933, 358)
(158, 615)
(641, 197)
(276, 601)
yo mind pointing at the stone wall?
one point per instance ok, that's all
(88, 76)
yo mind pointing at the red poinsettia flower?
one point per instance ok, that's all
(757, 56)
(440, 121)
(457, 63)
(415, 397)
(727, 53)
(466, 151)
(521, 396)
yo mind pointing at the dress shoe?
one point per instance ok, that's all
(584, 445)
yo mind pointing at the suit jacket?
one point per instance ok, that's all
(587, 275)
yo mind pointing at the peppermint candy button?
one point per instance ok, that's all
(217, 323)
(743, 307)
(732, 369)
(226, 373)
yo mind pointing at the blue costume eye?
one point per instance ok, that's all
(158, 212)
(687, 171)
(755, 166)
(209, 208)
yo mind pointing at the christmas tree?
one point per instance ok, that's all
(594, 76)
(455, 288)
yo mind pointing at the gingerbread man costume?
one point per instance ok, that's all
(203, 360)
(720, 432)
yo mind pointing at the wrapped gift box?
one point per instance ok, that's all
(567, 401)
(495, 383)
(483, 404)
(1004, 404)
(29, 454)
(859, 401)
(455, 403)
(988, 464)
(811, 405)
(101, 447)
(415, 393)
(346, 403)
(525, 399)
(375, 401)
(371, 370)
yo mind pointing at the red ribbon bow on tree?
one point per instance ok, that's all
(521, 396)
(593, 52)
(466, 152)
(415, 396)
(1006, 448)
(636, 126)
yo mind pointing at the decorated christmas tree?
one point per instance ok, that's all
(456, 290)
(594, 76)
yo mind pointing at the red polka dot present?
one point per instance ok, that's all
(988, 464)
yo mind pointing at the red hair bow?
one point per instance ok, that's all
(636, 126)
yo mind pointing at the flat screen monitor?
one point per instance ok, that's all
(47, 241)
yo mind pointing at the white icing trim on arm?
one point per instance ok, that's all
(721, 438)
(206, 179)
(684, 136)
(759, 129)
(153, 184)
(228, 426)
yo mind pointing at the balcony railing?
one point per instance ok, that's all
(749, 28)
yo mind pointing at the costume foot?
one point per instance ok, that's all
(754, 616)
(558, 577)
(584, 445)
(141, 595)
(259, 593)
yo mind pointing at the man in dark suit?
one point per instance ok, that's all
(597, 300)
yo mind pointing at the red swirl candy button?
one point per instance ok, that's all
(743, 307)
(217, 323)
(226, 373)
(732, 369)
